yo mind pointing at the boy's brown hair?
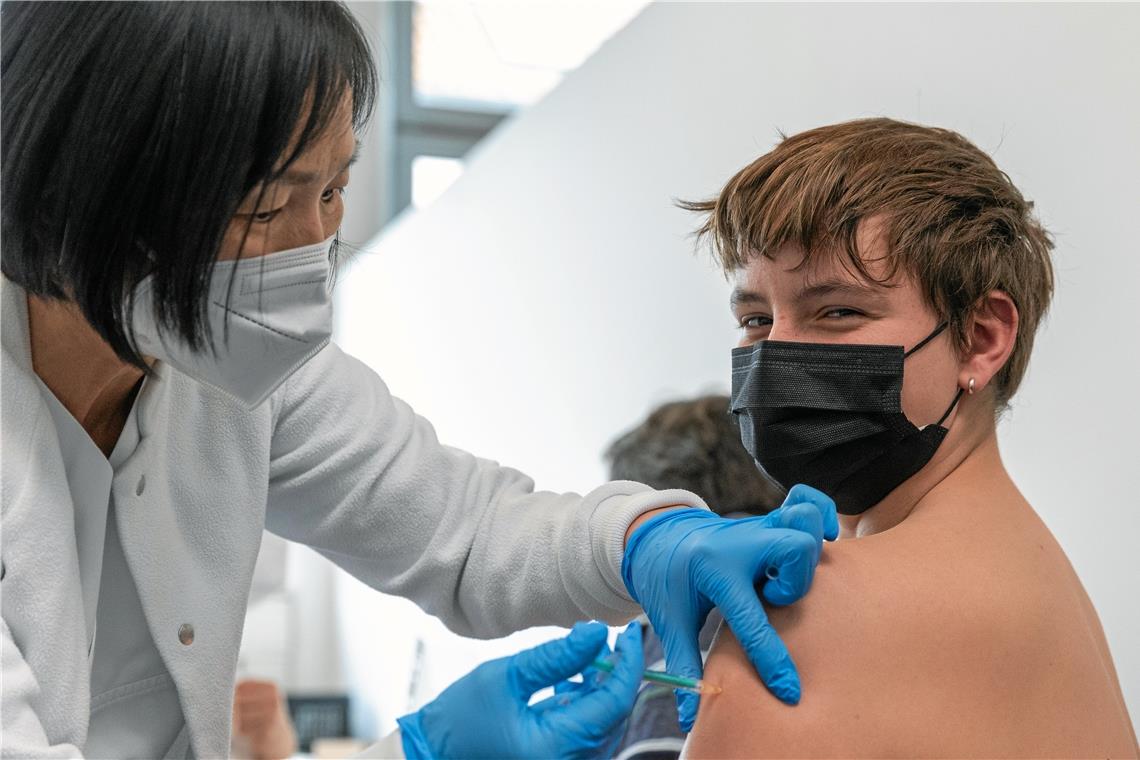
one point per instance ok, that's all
(953, 220)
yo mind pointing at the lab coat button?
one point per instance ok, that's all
(186, 634)
(141, 486)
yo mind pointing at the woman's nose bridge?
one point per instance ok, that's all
(311, 228)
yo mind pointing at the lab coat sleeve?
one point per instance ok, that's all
(22, 734)
(356, 474)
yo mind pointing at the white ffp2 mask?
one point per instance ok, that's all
(279, 315)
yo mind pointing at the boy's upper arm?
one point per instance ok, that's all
(877, 676)
(745, 720)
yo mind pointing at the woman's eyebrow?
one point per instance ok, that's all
(295, 177)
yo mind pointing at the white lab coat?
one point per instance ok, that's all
(332, 460)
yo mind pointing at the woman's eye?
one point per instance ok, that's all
(264, 217)
(328, 195)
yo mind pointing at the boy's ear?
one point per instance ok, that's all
(991, 333)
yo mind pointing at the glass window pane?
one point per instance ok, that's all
(431, 176)
(497, 55)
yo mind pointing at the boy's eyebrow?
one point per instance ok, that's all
(831, 287)
(294, 177)
(740, 296)
(838, 287)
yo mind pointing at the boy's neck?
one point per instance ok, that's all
(968, 453)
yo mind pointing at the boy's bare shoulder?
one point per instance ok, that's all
(907, 647)
(873, 655)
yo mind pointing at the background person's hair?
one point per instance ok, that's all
(695, 445)
(133, 131)
(954, 221)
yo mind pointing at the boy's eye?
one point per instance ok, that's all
(755, 321)
(839, 313)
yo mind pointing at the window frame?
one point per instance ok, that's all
(426, 130)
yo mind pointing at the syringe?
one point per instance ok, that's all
(667, 679)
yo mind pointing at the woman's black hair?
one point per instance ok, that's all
(132, 131)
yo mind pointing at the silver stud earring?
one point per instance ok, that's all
(970, 387)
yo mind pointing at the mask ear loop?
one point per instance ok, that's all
(937, 331)
(950, 408)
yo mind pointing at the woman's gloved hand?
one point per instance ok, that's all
(485, 713)
(680, 564)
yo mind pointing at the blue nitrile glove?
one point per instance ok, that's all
(485, 713)
(680, 564)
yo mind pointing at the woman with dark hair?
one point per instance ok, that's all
(172, 187)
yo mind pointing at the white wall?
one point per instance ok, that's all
(551, 297)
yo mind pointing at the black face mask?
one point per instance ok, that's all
(830, 415)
